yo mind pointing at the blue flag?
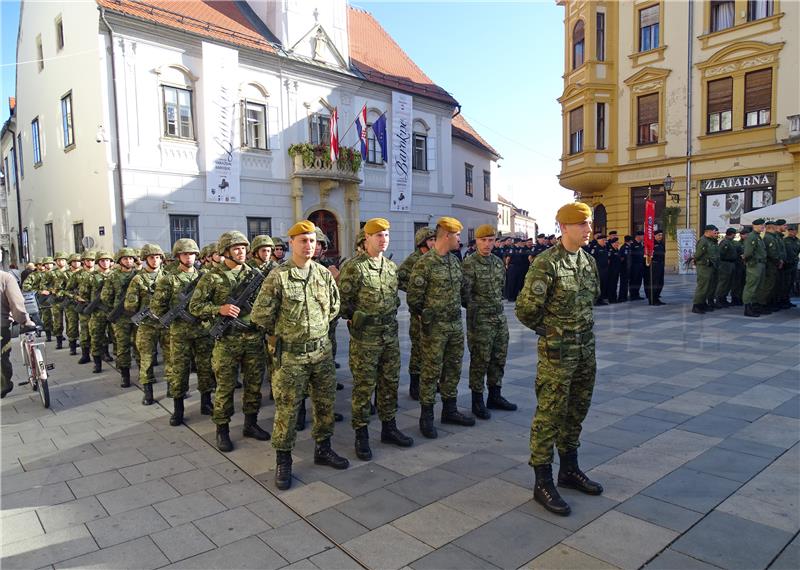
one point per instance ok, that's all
(379, 128)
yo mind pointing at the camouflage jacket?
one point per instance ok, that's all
(706, 254)
(755, 251)
(168, 289)
(140, 291)
(95, 285)
(484, 279)
(264, 268)
(404, 272)
(215, 289)
(369, 285)
(76, 282)
(436, 287)
(33, 282)
(112, 294)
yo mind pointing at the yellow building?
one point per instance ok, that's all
(704, 91)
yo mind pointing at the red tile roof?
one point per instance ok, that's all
(464, 131)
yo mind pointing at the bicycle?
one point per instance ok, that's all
(34, 356)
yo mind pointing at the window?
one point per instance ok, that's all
(39, 53)
(7, 181)
(258, 227)
(468, 179)
(720, 105)
(600, 127)
(487, 185)
(48, 239)
(471, 235)
(420, 158)
(647, 119)
(320, 128)
(722, 14)
(648, 27)
(373, 156)
(21, 162)
(254, 134)
(576, 130)
(578, 34)
(757, 98)
(37, 145)
(600, 47)
(638, 198)
(758, 9)
(178, 113)
(183, 227)
(59, 34)
(77, 237)
(66, 121)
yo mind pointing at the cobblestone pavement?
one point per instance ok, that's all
(693, 432)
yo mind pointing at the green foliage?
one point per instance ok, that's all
(671, 214)
(349, 159)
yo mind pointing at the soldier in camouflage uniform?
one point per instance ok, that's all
(278, 251)
(71, 312)
(424, 239)
(38, 282)
(706, 260)
(188, 338)
(772, 269)
(113, 297)
(727, 267)
(261, 254)
(487, 328)
(239, 347)
(80, 286)
(369, 303)
(295, 307)
(755, 256)
(56, 283)
(435, 296)
(557, 301)
(792, 252)
(98, 323)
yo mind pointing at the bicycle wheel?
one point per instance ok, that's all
(41, 377)
(44, 393)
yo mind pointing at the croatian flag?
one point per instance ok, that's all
(361, 126)
(379, 128)
(334, 135)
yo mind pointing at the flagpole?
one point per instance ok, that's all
(353, 122)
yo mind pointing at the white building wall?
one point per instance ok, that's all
(473, 210)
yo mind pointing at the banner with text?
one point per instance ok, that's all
(402, 134)
(219, 122)
(687, 238)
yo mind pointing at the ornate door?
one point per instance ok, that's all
(330, 227)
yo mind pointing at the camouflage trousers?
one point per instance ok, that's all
(293, 376)
(98, 325)
(487, 339)
(58, 320)
(237, 350)
(332, 336)
(47, 319)
(442, 352)
(73, 329)
(148, 337)
(184, 346)
(84, 330)
(375, 364)
(415, 334)
(754, 274)
(124, 339)
(564, 385)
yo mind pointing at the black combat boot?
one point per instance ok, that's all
(147, 399)
(451, 414)
(699, 309)
(73, 347)
(325, 455)
(176, 418)
(126, 377)
(390, 434)
(373, 405)
(98, 364)
(49, 336)
(723, 302)
(107, 355)
(545, 493)
(413, 387)
(749, 311)
(426, 422)
(478, 408)
(496, 401)
(251, 428)
(283, 469)
(59, 342)
(571, 476)
(84, 355)
(206, 407)
(363, 451)
(224, 442)
(300, 423)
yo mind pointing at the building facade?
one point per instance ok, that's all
(700, 94)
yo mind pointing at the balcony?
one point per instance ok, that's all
(313, 162)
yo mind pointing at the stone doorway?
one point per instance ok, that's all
(329, 225)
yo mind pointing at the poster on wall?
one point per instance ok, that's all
(724, 210)
(219, 120)
(686, 243)
(400, 159)
(762, 198)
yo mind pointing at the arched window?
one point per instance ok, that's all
(420, 146)
(600, 219)
(254, 117)
(578, 44)
(177, 87)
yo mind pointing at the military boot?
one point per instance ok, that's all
(723, 302)
(224, 442)
(84, 355)
(698, 309)
(413, 387)
(426, 422)
(545, 492)
(300, 423)
(59, 342)
(749, 311)
(451, 414)
(206, 407)
(98, 364)
(126, 377)
(107, 355)
(325, 455)
(571, 476)
(176, 418)
(363, 451)
(73, 347)
(148, 400)
(251, 428)
(283, 469)
(496, 401)
(390, 434)
(762, 309)
(49, 336)
(478, 408)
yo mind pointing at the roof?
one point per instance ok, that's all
(464, 131)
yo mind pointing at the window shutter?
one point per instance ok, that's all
(576, 120)
(648, 16)
(648, 109)
(720, 95)
(758, 90)
(430, 152)
(273, 128)
(578, 32)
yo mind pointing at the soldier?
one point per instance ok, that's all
(727, 267)
(97, 317)
(37, 282)
(295, 307)
(279, 251)
(487, 328)
(424, 239)
(636, 266)
(71, 312)
(240, 347)
(369, 303)
(654, 275)
(261, 254)
(706, 260)
(737, 287)
(113, 297)
(80, 286)
(624, 268)
(792, 252)
(436, 294)
(56, 283)
(789, 265)
(772, 268)
(188, 339)
(556, 302)
(755, 257)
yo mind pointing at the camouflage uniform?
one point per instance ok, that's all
(112, 296)
(706, 258)
(755, 256)
(97, 320)
(36, 282)
(71, 313)
(149, 332)
(414, 325)
(81, 285)
(56, 283)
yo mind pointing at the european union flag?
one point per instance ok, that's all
(379, 128)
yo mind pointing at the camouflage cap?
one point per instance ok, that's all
(88, 254)
(321, 237)
(230, 239)
(185, 245)
(47, 259)
(74, 257)
(261, 241)
(151, 249)
(103, 255)
(423, 235)
(278, 243)
(124, 252)
(61, 255)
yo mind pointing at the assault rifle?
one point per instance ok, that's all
(119, 309)
(94, 305)
(142, 316)
(241, 298)
(45, 301)
(179, 310)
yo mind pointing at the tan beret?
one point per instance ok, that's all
(484, 230)
(451, 225)
(376, 225)
(302, 227)
(574, 213)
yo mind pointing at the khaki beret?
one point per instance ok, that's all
(302, 227)
(376, 225)
(451, 225)
(484, 230)
(573, 213)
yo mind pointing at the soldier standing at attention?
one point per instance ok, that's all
(71, 312)
(424, 239)
(614, 267)
(792, 252)
(636, 263)
(706, 260)
(80, 286)
(654, 275)
(487, 328)
(37, 282)
(295, 306)
(57, 282)
(261, 254)
(556, 302)
(739, 273)
(113, 294)
(279, 251)
(599, 251)
(97, 319)
(755, 256)
(238, 347)
(727, 267)
(369, 303)
(435, 297)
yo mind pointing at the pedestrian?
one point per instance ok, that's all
(654, 274)
(13, 306)
(728, 256)
(636, 267)
(706, 260)
(755, 257)
(557, 303)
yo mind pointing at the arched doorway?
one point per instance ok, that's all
(329, 225)
(600, 219)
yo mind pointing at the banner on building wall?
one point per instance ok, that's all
(221, 147)
(686, 243)
(402, 139)
(649, 223)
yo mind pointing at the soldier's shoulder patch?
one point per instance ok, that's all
(419, 281)
(346, 287)
(539, 288)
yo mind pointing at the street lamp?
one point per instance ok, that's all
(669, 184)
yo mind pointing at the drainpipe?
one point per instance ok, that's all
(117, 168)
(690, 46)
(19, 199)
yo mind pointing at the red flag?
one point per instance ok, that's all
(649, 221)
(335, 135)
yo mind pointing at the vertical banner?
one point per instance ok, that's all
(220, 65)
(649, 222)
(402, 135)
(686, 243)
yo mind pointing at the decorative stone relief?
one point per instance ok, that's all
(649, 86)
(759, 60)
(720, 69)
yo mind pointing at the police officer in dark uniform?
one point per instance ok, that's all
(654, 275)
(624, 268)
(637, 267)
(614, 266)
(600, 253)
